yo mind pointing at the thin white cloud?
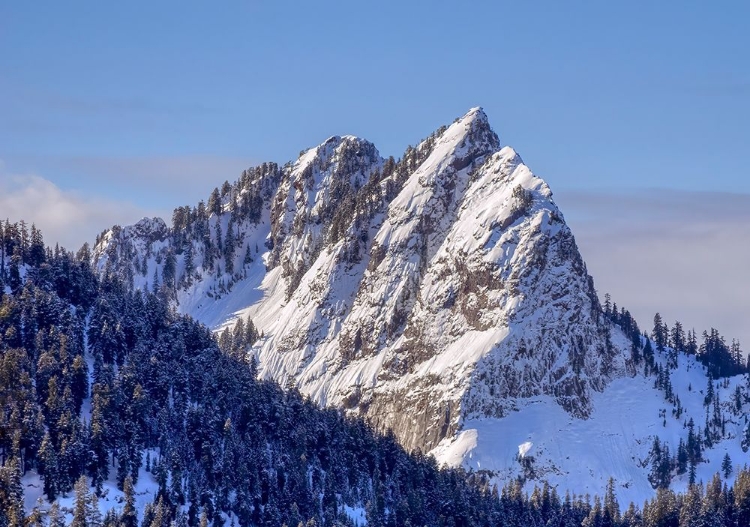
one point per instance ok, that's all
(64, 217)
(81, 196)
(683, 254)
(160, 181)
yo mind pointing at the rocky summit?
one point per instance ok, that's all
(417, 293)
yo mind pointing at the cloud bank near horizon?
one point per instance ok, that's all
(65, 217)
(681, 253)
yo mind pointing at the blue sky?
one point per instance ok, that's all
(113, 110)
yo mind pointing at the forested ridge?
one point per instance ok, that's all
(98, 381)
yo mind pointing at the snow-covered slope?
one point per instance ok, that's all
(541, 442)
(441, 296)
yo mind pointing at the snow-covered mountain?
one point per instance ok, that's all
(441, 296)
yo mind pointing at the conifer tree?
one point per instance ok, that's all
(214, 202)
(726, 466)
(659, 334)
(189, 264)
(35, 519)
(14, 270)
(11, 493)
(709, 397)
(55, 516)
(611, 512)
(742, 497)
(48, 467)
(80, 503)
(129, 517)
(93, 513)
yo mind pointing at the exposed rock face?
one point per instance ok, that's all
(418, 294)
(305, 204)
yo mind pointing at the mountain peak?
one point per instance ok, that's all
(336, 146)
(469, 139)
(384, 286)
(476, 118)
(441, 296)
(477, 112)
